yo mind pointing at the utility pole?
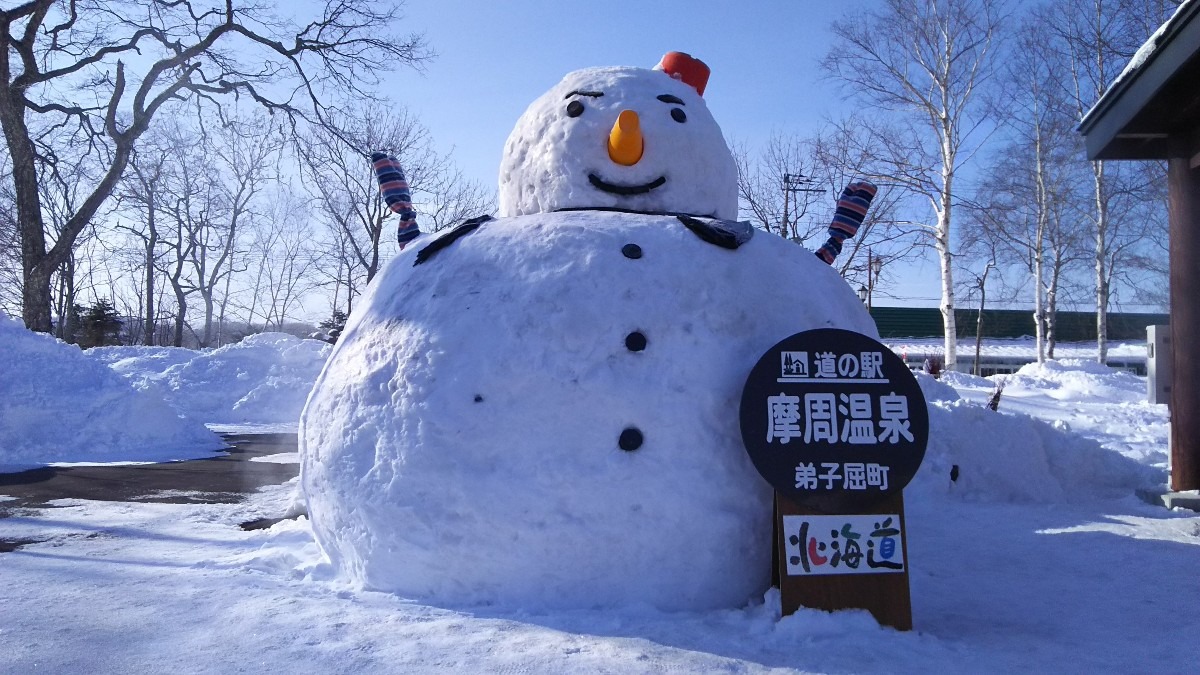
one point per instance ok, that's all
(795, 182)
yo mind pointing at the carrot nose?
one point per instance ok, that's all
(625, 142)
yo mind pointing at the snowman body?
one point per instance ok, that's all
(545, 413)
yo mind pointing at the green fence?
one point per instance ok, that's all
(897, 322)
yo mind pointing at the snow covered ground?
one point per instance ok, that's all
(1038, 558)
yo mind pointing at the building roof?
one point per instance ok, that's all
(1156, 97)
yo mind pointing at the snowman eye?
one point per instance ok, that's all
(574, 109)
(677, 114)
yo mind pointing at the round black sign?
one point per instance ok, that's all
(834, 420)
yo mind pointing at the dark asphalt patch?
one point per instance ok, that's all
(225, 478)
(266, 523)
(10, 545)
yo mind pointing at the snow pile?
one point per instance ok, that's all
(58, 405)
(464, 444)
(263, 379)
(1009, 455)
(957, 380)
(1075, 380)
(142, 365)
(1005, 457)
(1016, 458)
(934, 389)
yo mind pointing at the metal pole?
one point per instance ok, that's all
(870, 279)
(783, 231)
(795, 182)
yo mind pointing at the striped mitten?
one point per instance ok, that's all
(851, 210)
(394, 188)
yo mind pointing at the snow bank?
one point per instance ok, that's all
(263, 379)
(58, 405)
(1016, 458)
(1013, 457)
(1075, 380)
(138, 363)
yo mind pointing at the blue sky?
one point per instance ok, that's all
(494, 58)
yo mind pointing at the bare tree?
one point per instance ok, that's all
(924, 62)
(340, 177)
(1147, 272)
(139, 193)
(792, 186)
(244, 156)
(10, 259)
(285, 257)
(882, 239)
(776, 188)
(1066, 247)
(187, 205)
(443, 196)
(63, 65)
(1032, 172)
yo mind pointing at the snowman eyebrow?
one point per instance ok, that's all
(667, 98)
(593, 94)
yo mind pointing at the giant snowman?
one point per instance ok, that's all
(541, 410)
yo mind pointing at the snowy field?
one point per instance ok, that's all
(1038, 558)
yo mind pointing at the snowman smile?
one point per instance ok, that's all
(625, 190)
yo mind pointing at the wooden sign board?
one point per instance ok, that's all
(856, 560)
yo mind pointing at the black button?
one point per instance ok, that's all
(574, 109)
(631, 439)
(632, 251)
(635, 341)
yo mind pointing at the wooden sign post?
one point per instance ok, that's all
(838, 425)
(861, 573)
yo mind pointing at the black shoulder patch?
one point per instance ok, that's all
(724, 233)
(431, 249)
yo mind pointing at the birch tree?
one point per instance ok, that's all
(103, 69)
(924, 63)
(1031, 173)
(1096, 39)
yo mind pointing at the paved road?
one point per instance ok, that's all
(219, 480)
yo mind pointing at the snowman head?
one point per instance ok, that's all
(621, 138)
